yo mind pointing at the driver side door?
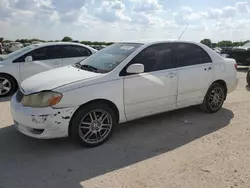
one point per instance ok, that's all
(155, 90)
(43, 59)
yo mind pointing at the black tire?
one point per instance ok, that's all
(206, 105)
(76, 133)
(13, 85)
(248, 78)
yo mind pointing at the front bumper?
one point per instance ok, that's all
(43, 123)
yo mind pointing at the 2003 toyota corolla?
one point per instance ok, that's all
(122, 82)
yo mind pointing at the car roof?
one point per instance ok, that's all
(44, 44)
(148, 41)
(58, 43)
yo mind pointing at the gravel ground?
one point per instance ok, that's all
(185, 148)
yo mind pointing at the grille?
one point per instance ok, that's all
(19, 95)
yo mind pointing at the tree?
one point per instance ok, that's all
(237, 44)
(225, 43)
(214, 45)
(67, 39)
(207, 42)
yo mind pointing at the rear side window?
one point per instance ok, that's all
(190, 54)
(75, 51)
(155, 57)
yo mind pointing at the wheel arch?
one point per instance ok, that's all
(105, 101)
(3, 73)
(223, 83)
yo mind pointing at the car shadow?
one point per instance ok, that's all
(5, 99)
(27, 162)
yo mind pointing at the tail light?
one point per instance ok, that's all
(235, 66)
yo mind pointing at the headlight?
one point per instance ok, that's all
(42, 99)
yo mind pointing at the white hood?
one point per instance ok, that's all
(54, 78)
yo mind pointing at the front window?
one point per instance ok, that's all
(108, 58)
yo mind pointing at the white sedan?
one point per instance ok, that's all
(122, 82)
(33, 59)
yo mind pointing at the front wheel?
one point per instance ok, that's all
(93, 124)
(214, 98)
(8, 85)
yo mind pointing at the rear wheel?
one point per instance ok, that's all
(93, 124)
(214, 98)
(248, 78)
(8, 85)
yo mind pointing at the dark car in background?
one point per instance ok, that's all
(240, 54)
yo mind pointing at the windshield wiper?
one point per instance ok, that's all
(78, 65)
(89, 68)
(86, 67)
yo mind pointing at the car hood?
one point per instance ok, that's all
(54, 78)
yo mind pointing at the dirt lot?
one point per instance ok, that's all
(184, 148)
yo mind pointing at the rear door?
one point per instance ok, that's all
(44, 58)
(74, 53)
(194, 73)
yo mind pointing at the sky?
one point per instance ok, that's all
(125, 20)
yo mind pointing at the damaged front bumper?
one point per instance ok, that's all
(43, 123)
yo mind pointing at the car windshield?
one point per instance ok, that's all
(108, 58)
(27, 48)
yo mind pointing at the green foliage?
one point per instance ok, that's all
(67, 39)
(214, 45)
(225, 43)
(207, 42)
(96, 43)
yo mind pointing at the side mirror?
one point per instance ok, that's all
(28, 59)
(135, 68)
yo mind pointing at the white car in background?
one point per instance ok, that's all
(14, 46)
(28, 61)
(119, 83)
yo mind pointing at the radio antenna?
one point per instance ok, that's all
(183, 32)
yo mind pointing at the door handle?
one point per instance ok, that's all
(171, 75)
(208, 68)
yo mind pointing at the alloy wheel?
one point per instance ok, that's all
(216, 98)
(95, 126)
(5, 86)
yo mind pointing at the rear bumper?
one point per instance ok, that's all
(232, 85)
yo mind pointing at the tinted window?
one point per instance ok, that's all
(43, 53)
(155, 57)
(39, 54)
(75, 51)
(190, 54)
